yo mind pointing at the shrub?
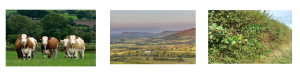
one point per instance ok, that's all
(241, 36)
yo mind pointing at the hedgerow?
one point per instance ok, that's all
(242, 36)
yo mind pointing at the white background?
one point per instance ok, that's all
(103, 29)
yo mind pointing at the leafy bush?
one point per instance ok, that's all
(241, 36)
(82, 25)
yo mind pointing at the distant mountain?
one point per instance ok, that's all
(137, 34)
(166, 33)
(114, 34)
(189, 34)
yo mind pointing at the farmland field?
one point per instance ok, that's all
(12, 60)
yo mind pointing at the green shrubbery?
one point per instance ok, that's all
(241, 36)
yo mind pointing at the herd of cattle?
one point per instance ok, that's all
(26, 45)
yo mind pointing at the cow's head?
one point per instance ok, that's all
(45, 40)
(72, 39)
(65, 41)
(23, 39)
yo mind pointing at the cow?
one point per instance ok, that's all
(75, 45)
(18, 46)
(29, 45)
(48, 46)
(65, 41)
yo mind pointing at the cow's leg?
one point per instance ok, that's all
(44, 56)
(69, 54)
(18, 52)
(29, 54)
(24, 55)
(76, 54)
(52, 55)
(82, 54)
(65, 53)
(56, 53)
(50, 50)
(35, 53)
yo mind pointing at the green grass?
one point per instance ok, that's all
(72, 16)
(12, 60)
(285, 58)
(10, 11)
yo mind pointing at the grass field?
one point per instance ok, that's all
(12, 60)
(151, 61)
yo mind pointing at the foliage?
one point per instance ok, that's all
(71, 21)
(241, 36)
(18, 24)
(81, 14)
(62, 12)
(72, 11)
(53, 22)
(55, 11)
(89, 15)
(82, 25)
(33, 13)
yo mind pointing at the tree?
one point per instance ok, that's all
(62, 12)
(71, 21)
(89, 15)
(88, 29)
(94, 28)
(55, 11)
(72, 12)
(81, 14)
(18, 24)
(52, 22)
(33, 13)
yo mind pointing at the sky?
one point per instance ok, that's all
(153, 21)
(284, 15)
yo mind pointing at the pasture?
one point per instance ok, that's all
(12, 60)
(151, 61)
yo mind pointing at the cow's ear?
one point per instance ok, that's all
(28, 36)
(40, 38)
(77, 37)
(67, 37)
(19, 37)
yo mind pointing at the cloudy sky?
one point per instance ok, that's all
(284, 15)
(154, 21)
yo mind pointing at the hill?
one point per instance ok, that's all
(137, 34)
(166, 33)
(189, 34)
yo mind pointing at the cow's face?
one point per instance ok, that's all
(45, 40)
(72, 40)
(24, 39)
(65, 42)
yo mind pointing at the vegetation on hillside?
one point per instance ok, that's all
(243, 36)
(147, 48)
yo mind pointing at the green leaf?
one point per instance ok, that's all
(233, 42)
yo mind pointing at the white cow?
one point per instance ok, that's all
(29, 45)
(75, 45)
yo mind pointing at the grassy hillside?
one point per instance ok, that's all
(246, 36)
